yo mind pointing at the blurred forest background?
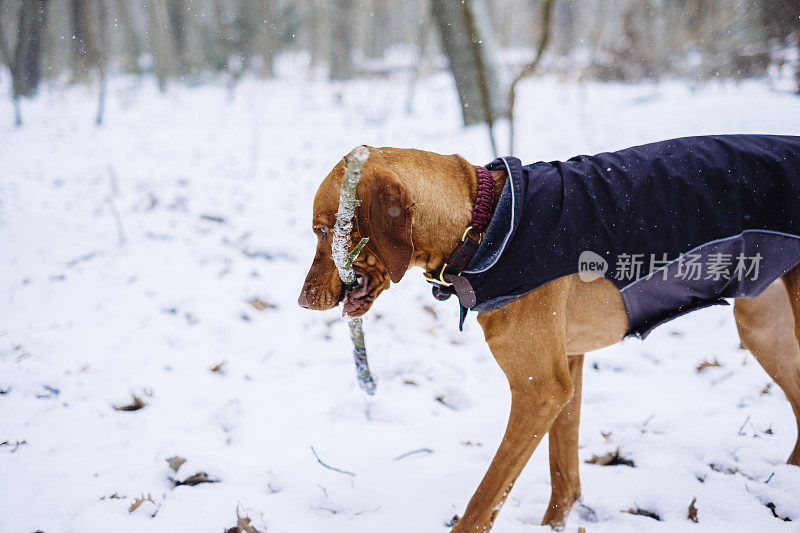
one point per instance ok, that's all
(150, 267)
(489, 44)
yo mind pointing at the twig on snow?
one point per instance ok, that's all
(413, 452)
(741, 428)
(329, 467)
(112, 177)
(114, 180)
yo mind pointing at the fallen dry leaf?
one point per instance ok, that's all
(243, 525)
(139, 501)
(15, 444)
(135, 405)
(705, 365)
(771, 507)
(219, 368)
(610, 459)
(175, 462)
(693, 511)
(643, 512)
(196, 479)
(730, 470)
(261, 305)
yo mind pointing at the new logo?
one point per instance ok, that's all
(591, 266)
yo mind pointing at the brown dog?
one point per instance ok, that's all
(415, 207)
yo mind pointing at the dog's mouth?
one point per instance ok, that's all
(358, 298)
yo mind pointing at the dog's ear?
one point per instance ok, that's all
(384, 215)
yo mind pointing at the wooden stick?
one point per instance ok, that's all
(343, 258)
(365, 379)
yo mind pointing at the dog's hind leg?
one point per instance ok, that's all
(792, 379)
(564, 463)
(527, 337)
(768, 327)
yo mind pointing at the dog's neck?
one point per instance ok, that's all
(431, 255)
(499, 177)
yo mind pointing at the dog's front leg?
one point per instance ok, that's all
(564, 462)
(528, 339)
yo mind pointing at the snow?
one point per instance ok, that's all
(214, 196)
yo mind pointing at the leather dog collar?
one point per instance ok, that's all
(449, 274)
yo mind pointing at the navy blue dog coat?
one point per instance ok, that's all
(675, 225)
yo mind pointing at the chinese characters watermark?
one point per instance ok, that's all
(689, 266)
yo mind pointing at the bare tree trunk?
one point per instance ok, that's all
(374, 26)
(267, 37)
(231, 49)
(82, 45)
(320, 35)
(5, 53)
(530, 68)
(246, 25)
(341, 42)
(797, 66)
(176, 13)
(133, 40)
(101, 32)
(7, 58)
(26, 61)
(224, 34)
(781, 20)
(468, 42)
(422, 43)
(455, 42)
(476, 19)
(797, 43)
(159, 41)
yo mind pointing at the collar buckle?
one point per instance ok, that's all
(467, 233)
(439, 278)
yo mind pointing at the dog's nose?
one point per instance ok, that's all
(302, 300)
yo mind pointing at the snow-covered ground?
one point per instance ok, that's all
(214, 199)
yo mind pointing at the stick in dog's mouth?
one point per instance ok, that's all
(356, 295)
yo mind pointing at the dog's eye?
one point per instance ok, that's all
(322, 231)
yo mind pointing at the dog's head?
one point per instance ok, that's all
(384, 215)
